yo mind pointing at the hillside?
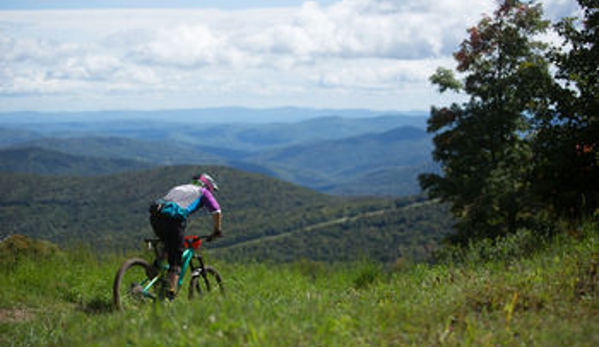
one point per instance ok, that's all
(110, 213)
(354, 163)
(10, 136)
(408, 230)
(512, 293)
(236, 131)
(383, 181)
(329, 154)
(151, 152)
(279, 135)
(49, 162)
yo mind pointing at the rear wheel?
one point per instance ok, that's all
(127, 290)
(204, 282)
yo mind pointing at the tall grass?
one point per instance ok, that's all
(490, 297)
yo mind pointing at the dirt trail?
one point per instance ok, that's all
(15, 314)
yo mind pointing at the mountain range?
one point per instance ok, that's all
(326, 187)
(338, 153)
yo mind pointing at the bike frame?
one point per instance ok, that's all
(186, 258)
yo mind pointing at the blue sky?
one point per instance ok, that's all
(98, 54)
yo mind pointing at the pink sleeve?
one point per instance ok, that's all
(210, 202)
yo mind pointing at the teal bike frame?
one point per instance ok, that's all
(148, 283)
(186, 257)
(137, 279)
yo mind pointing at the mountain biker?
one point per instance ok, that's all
(168, 217)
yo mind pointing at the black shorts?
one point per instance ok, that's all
(172, 232)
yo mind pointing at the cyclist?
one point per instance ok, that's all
(168, 217)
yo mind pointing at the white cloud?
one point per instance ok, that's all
(190, 46)
(362, 29)
(378, 74)
(363, 49)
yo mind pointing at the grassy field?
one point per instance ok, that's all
(502, 295)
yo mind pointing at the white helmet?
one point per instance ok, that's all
(207, 181)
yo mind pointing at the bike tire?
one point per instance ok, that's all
(203, 283)
(126, 290)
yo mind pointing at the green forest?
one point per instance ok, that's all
(523, 152)
(264, 218)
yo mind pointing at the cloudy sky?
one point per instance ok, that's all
(71, 55)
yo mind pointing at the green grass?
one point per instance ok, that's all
(485, 298)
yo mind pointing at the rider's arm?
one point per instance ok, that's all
(217, 220)
(214, 208)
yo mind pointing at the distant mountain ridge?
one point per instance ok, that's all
(214, 115)
(151, 152)
(328, 166)
(331, 153)
(11, 136)
(49, 162)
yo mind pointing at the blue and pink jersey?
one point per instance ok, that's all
(191, 198)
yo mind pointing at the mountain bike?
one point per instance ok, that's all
(138, 282)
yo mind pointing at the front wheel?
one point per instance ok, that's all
(205, 281)
(127, 290)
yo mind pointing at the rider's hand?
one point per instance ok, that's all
(215, 235)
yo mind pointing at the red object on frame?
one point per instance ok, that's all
(193, 241)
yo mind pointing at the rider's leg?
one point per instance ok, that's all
(175, 247)
(173, 277)
(172, 233)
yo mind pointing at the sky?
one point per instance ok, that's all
(73, 55)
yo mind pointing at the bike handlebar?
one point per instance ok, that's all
(194, 241)
(200, 237)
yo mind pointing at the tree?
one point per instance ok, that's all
(483, 145)
(566, 145)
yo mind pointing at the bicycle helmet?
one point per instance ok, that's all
(206, 181)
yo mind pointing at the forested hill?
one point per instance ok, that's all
(265, 218)
(50, 162)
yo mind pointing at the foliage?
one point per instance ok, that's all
(15, 248)
(409, 232)
(523, 150)
(482, 145)
(545, 298)
(566, 176)
(264, 218)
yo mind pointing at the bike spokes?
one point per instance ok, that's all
(131, 286)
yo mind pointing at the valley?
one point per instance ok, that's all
(330, 154)
(325, 188)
